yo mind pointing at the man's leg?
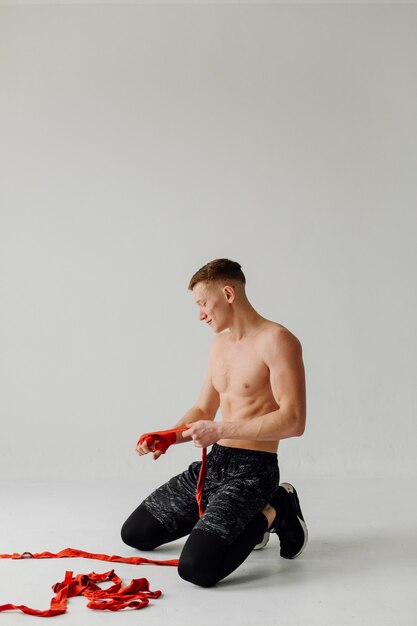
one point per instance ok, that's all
(236, 517)
(207, 558)
(168, 513)
(143, 531)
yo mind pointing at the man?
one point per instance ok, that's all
(256, 377)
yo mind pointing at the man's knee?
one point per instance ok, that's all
(141, 530)
(193, 570)
(201, 559)
(133, 538)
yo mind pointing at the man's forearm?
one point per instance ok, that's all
(193, 415)
(269, 427)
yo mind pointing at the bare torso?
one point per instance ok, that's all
(242, 379)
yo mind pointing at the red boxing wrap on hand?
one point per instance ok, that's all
(165, 439)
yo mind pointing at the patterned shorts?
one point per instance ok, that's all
(238, 485)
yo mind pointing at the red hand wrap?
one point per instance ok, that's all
(166, 438)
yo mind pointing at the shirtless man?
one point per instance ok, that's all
(256, 377)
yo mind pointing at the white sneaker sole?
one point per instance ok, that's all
(304, 527)
(263, 543)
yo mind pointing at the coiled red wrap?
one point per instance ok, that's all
(136, 595)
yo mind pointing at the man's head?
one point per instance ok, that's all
(218, 287)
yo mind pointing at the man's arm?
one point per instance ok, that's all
(283, 356)
(205, 408)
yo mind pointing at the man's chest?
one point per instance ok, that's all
(242, 372)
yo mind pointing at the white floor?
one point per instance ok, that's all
(359, 567)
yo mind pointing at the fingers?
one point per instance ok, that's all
(187, 433)
(143, 448)
(193, 433)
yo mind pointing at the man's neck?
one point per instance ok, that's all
(245, 324)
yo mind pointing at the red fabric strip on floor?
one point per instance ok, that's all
(135, 595)
(73, 552)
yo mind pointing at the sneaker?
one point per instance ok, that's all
(289, 524)
(263, 543)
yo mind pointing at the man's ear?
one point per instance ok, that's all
(229, 293)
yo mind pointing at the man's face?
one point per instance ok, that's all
(212, 305)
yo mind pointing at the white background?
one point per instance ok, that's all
(137, 143)
(140, 142)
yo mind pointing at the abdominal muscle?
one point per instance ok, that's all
(264, 446)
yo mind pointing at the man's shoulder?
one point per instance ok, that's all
(279, 335)
(217, 341)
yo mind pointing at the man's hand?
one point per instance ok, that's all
(204, 433)
(144, 449)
